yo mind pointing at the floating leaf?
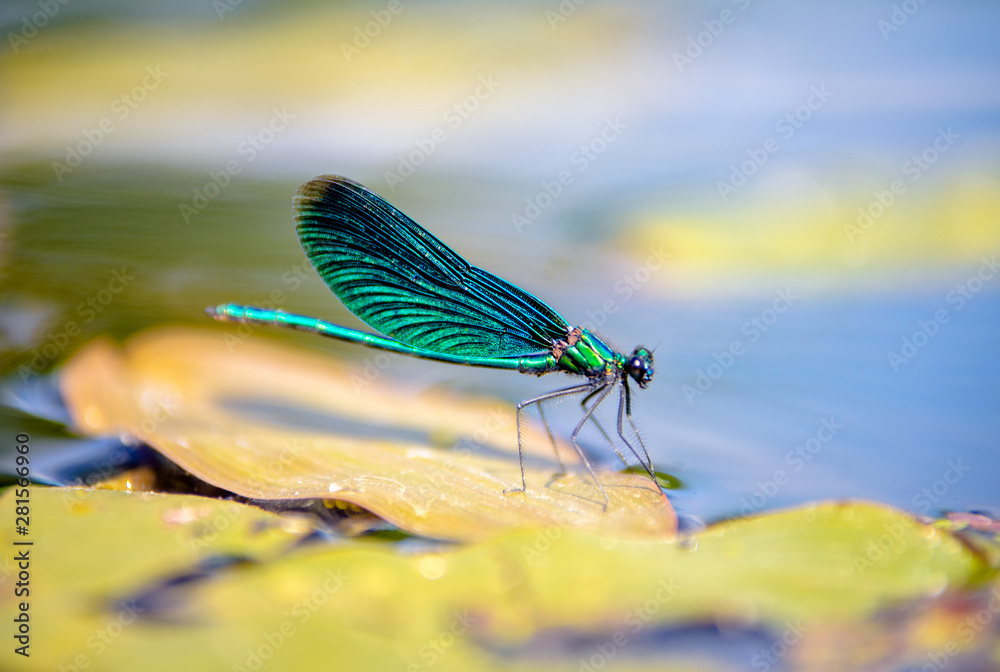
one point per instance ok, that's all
(561, 595)
(93, 551)
(269, 422)
(532, 600)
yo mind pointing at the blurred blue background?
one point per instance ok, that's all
(670, 174)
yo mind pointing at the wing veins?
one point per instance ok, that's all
(404, 282)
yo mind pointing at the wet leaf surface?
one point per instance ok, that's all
(268, 422)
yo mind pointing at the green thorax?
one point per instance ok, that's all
(585, 354)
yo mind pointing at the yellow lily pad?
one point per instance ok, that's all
(543, 599)
(269, 422)
(91, 549)
(511, 599)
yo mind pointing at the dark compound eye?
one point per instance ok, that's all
(640, 366)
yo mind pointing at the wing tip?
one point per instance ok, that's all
(319, 187)
(332, 193)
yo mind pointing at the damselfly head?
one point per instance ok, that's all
(640, 366)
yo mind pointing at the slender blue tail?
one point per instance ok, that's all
(232, 312)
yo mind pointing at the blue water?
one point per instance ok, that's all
(933, 423)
